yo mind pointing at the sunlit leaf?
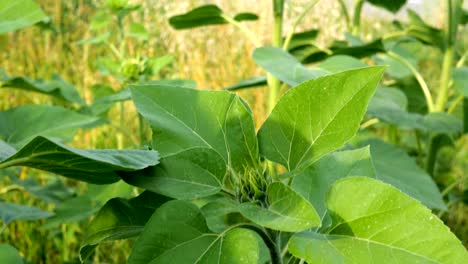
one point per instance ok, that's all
(375, 221)
(317, 117)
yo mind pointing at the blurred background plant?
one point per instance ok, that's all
(100, 46)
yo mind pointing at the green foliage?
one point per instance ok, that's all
(17, 14)
(216, 190)
(94, 166)
(317, 117)
(374, 221)
(204, 16)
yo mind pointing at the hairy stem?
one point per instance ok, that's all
(244, 29)
(344, 11)
(419, 78)
(273, 83)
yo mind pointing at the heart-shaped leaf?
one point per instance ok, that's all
(184, 118)
(177, 233)
(119, 219)
(373, 221)
(317, 117)
(314, 181)
(287, 210)
(93, 166)
(189, 174)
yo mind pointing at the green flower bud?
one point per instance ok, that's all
(131, 68)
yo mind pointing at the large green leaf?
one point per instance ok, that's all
(287, 210)
(375, 222)
(249, 83)
(314, 181)
(10, 212)
(119, 219)
(317, 117)
(21, 124)
(16, 14)
(184, 118)
(389, 105)
(204, 16)
(56, 87)
(284, 66)
(189, 174)
(93, 166)
(10, 255)
(394, 166)
(177, 233)
(339, 63)
(390, 5)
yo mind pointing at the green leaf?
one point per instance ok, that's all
(245, 17)
(221, 214)
(99, 39)
(287, 211)
(10, 212)
(312, 53)
(374, 221)
(339, 63)
(460, 80)
(119, 219)
(19, 125)
(314, 182)
(394, 166)
(189, 174)
(423, 32)
(201, 16)
(177, 233)
(93, 166)
(159, 63)
(73, 210)
(17, 14)
(54, 191)
(391, 5)
(10, 255)
(138, 31)
(317, 117)
(303, 38)
(184, 118)
(56, 87)
(206, 15)
(284, 66)
(249, 83)
(389, 105)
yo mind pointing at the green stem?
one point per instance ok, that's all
(344, 11)
(273, 83)
(243, 28)
(419, 78)
(357, 16)
(296, 23)
(445, 78)
(455, 104)
(141, 129)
